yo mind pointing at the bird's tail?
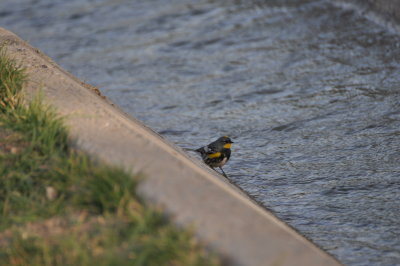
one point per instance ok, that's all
(199, 150)
(195, 150)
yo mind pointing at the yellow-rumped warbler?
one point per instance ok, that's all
(217, 153)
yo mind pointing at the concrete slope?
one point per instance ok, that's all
(192, 195)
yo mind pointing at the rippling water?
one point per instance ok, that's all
(309, 93)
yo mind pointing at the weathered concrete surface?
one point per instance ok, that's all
(227, 221)
(387, 11)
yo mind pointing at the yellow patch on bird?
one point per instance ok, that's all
(227, 145)
(214, 155)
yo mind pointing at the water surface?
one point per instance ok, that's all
(309, 93)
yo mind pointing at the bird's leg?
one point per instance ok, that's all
(213, 169)
(223, 172)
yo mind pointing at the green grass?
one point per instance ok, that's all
(58, 207)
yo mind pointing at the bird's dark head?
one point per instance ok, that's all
(226, 141)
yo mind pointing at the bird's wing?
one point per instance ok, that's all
(212, 151)
(213, 147)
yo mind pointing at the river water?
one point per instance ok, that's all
(308, 91)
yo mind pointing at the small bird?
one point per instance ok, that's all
(217, 153)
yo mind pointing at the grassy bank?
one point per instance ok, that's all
(58, 207)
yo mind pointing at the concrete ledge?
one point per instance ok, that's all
(225, 220)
